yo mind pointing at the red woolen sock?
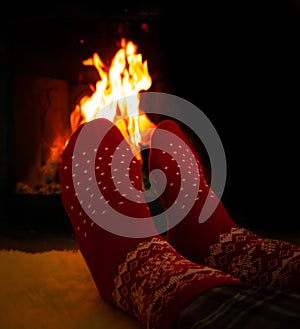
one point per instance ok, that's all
(218, 242)
(142, 275)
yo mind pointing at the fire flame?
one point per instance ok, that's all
(126, 76)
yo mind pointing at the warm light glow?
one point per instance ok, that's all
(126, 76)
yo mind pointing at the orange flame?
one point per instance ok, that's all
(127, 76)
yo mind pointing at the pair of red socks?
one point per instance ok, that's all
(144, 276)
(150, 277)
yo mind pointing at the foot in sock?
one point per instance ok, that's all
(218, 242)
(144, 276)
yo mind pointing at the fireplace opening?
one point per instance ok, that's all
(48, 79)
(49, 104)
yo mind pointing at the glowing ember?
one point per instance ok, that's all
(127, 76)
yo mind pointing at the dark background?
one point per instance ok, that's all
(247, 82)
(239, 63)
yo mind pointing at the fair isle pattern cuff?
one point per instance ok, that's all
(155, 283)
(256, 260)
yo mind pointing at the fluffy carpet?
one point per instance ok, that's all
(53, 290)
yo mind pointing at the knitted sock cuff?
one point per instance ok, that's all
(155, 283)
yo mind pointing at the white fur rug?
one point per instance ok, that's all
(53, 290)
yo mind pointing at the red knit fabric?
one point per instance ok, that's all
(217, 242)
(145, 277)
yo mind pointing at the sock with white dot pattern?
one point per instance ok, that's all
(144, 276)
(218, 242)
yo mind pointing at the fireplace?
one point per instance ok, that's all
(45, 79)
